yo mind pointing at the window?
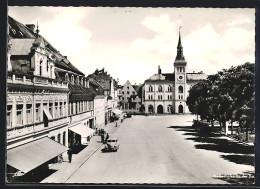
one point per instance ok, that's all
(82, 106)
(50, 71)
(169, 88)
(64, 104)
(123, 98)
(76, 108)
(9, 115)
(29, 113)
(151, 97)
(61, 113)
(40, 67)
(150, 88)
(127, 92)
(47, 65)
(51, 108)
(56, 110)
(160, 88)
(37, 112)
(123, 92)
(64, 138)
(180, 89)
(89, 105)
(127, 87)
(58, 138)
(133, 92)
(181, 97)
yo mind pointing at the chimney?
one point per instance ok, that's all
(31, 27)
(159, 70)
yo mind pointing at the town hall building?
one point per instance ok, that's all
(166, 93)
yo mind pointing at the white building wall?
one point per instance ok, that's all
(99, 111)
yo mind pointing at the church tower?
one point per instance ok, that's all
(180, 79)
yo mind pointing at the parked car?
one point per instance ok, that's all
(112, 145)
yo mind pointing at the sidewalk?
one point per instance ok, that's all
(65, 169)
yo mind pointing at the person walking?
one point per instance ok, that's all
(107, 137)
(69, 154)
(102, 135)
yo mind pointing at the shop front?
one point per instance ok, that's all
(32, 158)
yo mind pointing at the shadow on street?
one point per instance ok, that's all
(33, 177)
(241, 154)
(78, 149)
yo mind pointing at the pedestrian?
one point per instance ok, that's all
(107, 137)
(69, 154)
(102, 137)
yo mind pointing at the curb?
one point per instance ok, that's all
(89, 156)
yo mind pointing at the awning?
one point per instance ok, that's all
(117, 111)
(47, 113)
(82, 130)
(31, 155)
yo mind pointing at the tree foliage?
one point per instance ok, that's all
(225, 96)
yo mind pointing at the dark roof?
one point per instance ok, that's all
(102, 78)
(169, 76)
(95, 87)
(25, 36)
(138, 89)
(162, 77)
(20, 65)
(78, 92)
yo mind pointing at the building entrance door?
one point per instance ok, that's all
(160, 109)
(180, 109)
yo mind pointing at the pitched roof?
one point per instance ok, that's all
(21, 33)
(21, 46)
(162, 77)
(102, 78)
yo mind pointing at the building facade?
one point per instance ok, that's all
(166, 93)
(50, 105)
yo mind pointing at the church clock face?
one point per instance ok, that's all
(180, 78)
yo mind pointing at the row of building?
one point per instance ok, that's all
(53, 106)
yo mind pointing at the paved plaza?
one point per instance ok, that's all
(160, 149)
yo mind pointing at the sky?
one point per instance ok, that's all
(130, 43)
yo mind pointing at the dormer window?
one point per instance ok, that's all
(72, 79)
(66, 77)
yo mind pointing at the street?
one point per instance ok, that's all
(153, 151)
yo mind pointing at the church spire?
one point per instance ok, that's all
(37, 30)
(179, 48)
(179, 43)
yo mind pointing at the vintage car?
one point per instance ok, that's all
(111, 146)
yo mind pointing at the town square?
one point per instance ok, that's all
(102, 95)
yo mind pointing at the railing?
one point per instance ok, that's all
(35, 80)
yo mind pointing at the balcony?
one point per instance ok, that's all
(34, 128)
(35, 80)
